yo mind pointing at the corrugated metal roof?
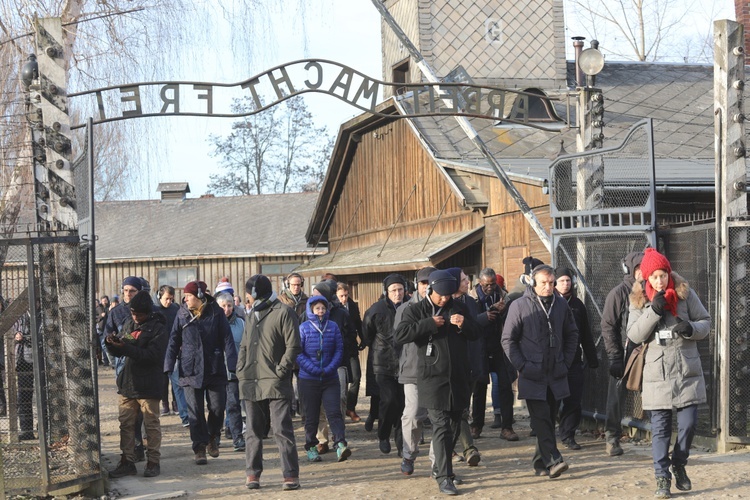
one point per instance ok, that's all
(269, 224)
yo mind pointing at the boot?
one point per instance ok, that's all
(213, 447)
(681, 479)
(124, 468)
(152, 470)
(497, 423)
(200, 456)
(662, 488)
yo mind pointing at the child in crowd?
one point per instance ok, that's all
(322, 354)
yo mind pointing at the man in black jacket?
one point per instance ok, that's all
(614, 325)
(141, 344)
(378, 331)
(441, 328)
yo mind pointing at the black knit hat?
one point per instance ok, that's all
(141, 303)
(530, 263)
(261, 285)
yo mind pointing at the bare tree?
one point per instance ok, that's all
(647, 30)
(278, 150)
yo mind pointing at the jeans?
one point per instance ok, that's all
(502, 391)
(391, 408)
(661, 434)
(279, 413)
(411, 421)
(323, 419)
(234, 412)
(201, 429)
(179, 393)
(353, 392)
(105, 355)
(129, 409)
(327, 392)
(615, 403)
(445, 430)
(542, 416)
(570, 411)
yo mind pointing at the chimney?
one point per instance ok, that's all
(173, 191)
(742, 11)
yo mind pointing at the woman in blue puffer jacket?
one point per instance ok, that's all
(322, 354)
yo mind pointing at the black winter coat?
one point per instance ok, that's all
(477, 349)
(443, 379)
(541, 357)
(378, 335)
(142, 376)
(201, 343)
(615, 318)
(585, 339)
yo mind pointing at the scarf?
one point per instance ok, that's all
(197, 312)
(670, 294)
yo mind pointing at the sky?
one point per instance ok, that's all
(348, 32)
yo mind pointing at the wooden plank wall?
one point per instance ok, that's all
(388, 164)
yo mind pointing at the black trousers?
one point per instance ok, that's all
(446, 426)
(479, 403)
(570, 411)
(391, 408)
(542, 415)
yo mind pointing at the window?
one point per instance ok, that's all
(177, 276)
(280, 269)
(401, 75)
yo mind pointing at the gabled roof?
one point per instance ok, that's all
(259, 225)
(679, 98)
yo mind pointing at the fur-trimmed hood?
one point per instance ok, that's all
(638, 297)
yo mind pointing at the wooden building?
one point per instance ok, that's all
(176, 239)
(402, 193)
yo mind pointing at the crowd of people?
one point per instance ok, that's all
(244, 364)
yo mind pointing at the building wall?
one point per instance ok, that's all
(497, 41)
(211, 270)
(392, 178)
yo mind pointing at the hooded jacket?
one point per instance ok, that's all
(201, 343)
(672, 373)
(614, 321)
(268, 350)
(443, 378)
(542, 357)
(141, 376)
(408, 352)
(321, 343)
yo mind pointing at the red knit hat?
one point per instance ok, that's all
(193, 287)
(653, 261)
(500, 281)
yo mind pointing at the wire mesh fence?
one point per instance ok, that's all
(49, 424)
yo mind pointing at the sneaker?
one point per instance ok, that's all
(343, 452)
(200, 456)
(681, 479)
(323, 448)
(662, 488)
(164, 408)
(151, 470)
(312, 455)
(140, 453)
(125, 468)
(557, 469)
(508, 435)
(457, 458)
(185, 423)
(541, 472)
(213, 447)
(571, 444)
(614, 449)
(290, 483)
(174, 407)
(407, 467)
(472, 457)
(252, 483)
(239, 446)
(497, 423)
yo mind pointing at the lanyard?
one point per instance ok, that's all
(552, 338)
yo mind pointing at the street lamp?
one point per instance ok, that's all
(29, 71)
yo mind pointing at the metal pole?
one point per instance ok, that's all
(466, 126)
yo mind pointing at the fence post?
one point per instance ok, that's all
(731, 203)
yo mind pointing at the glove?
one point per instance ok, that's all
(616, 368)
(361, 347)
(658, 303)
(684, 329)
